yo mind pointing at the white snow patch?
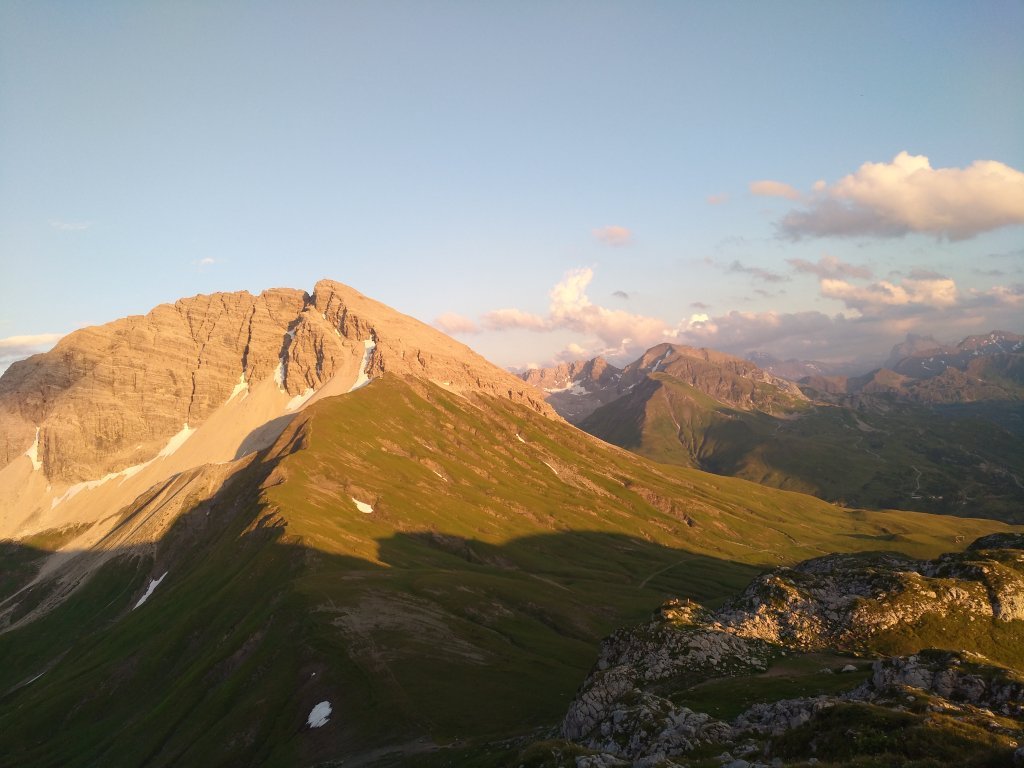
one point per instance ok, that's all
(551, 468)
(241, 388)
(134, 469)
(153, 584)
(29, 682)
(88, 485)
(33, 453)
(436, 473)
(319, 715)
(279, 374)
(296, 402)
(176, 442)
(520, 438)
(363, 379)
(570, 388)
(362, 506)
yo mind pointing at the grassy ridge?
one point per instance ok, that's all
(467, 607)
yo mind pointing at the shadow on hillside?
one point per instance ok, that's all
(442, 638)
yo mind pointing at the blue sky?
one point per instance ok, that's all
(544, 180)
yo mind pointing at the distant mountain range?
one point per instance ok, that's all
(941, 431)
(303, 529)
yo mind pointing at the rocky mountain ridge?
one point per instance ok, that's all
(105, 397)
(632, 709)
(108, 401)
(575, 390)
(948, 443)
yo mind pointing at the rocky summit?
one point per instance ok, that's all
(109, 401)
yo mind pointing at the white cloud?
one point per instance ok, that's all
(876, 315)
(70, 226)
(721, 199)
(934, 291)
(617, 331)
(908, 195)
(14, 348)
(507, 319)
(768, 188)
(758, 272)
(830, 266)
(613, 235)
(450, 322)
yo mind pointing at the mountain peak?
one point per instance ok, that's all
(110, 399)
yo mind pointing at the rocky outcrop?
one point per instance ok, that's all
(111, 396)
(613, 711)
(852, 601)
(627, 707)
(954, 676)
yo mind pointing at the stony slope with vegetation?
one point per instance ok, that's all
(873, 659)
(383, 552)
(462, 609)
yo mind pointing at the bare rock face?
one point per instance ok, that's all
(109, 397)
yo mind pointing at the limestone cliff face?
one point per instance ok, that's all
(110, 396)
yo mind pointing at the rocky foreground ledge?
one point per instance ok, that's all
(869, 660)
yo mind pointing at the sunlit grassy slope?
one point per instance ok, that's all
(466, 607)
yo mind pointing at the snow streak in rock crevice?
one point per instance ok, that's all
(363, 379)
(33, 453)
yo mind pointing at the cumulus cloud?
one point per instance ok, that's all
(613, 235)
(768, 188)
(761, 274)
(617, 331)
(14, 348)
(908, 195)
(830, 266)
(508, 319)
(451, 322)
(916, 289)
